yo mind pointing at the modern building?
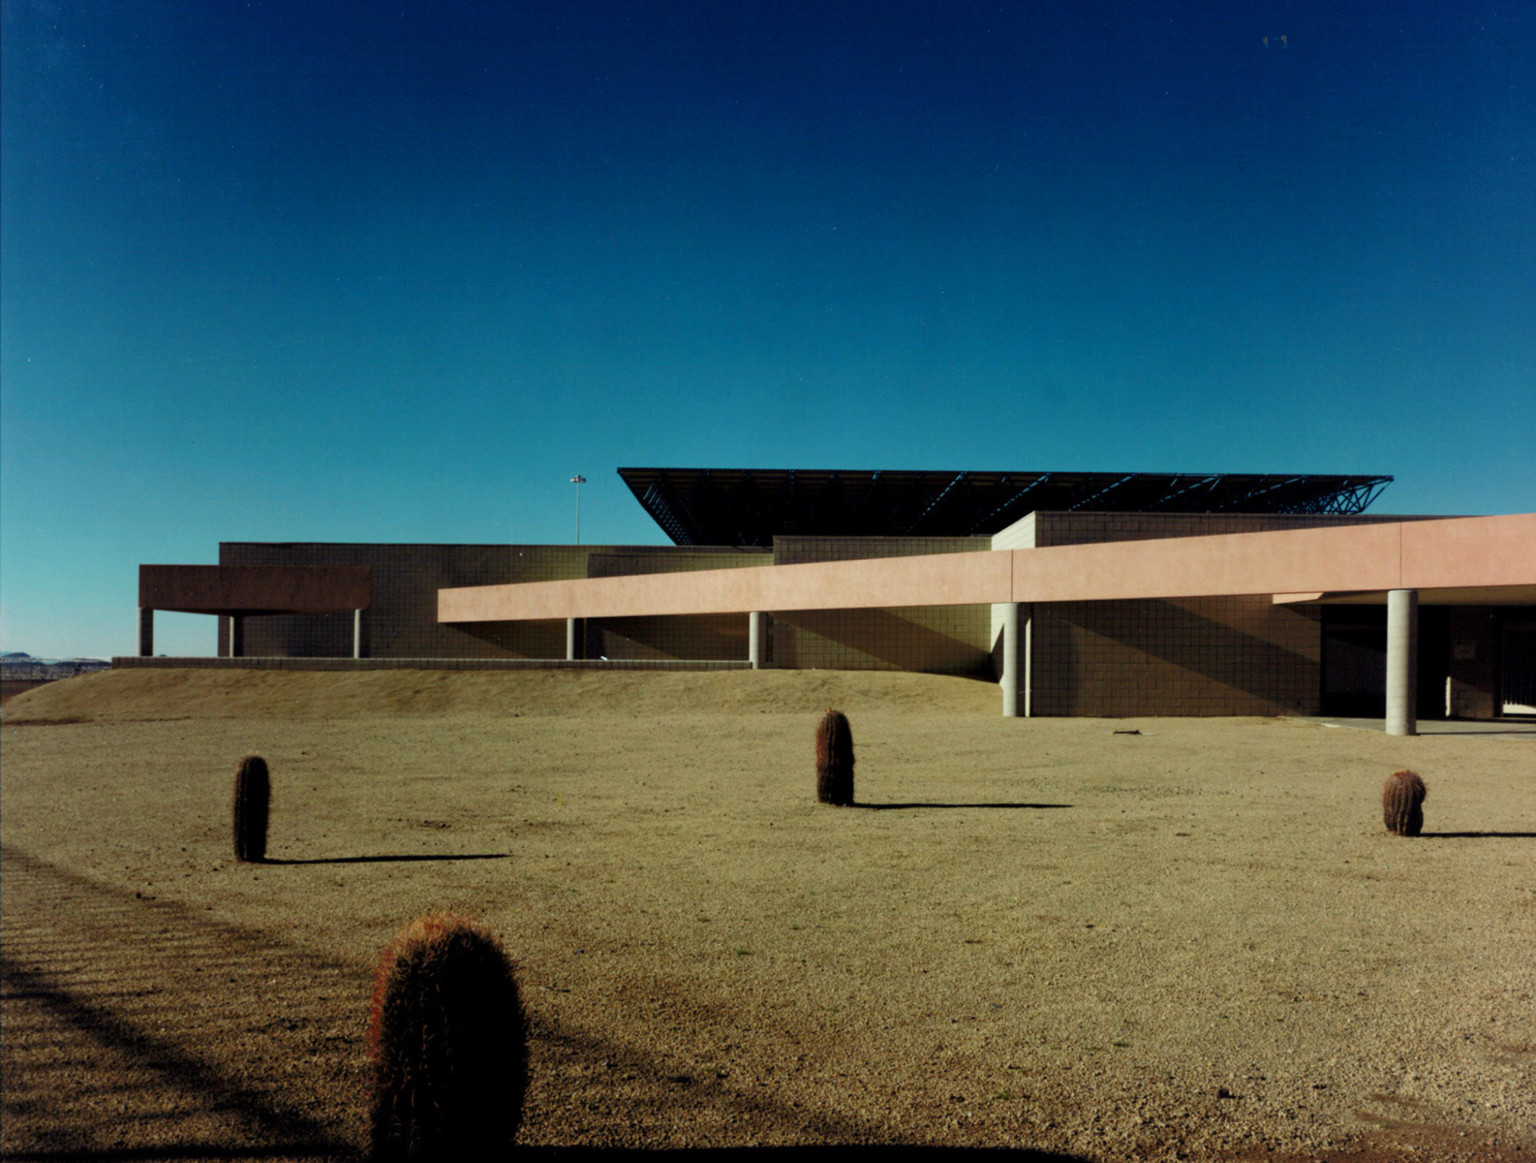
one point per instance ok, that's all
(1081, 593)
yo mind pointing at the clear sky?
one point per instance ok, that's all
(353, 271)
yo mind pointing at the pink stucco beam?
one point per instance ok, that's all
(952, 579)
(1454, 553)
(1475, 551)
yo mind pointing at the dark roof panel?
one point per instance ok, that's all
(738, 506)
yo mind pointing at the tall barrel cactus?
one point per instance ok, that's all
(834, 760)
(1402, 803)
(253, 799)
(450, 1052)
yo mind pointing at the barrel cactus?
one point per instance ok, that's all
(253, 800)
(1402, 803)
(449, 1045)
(834, 760)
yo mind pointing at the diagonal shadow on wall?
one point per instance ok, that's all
(1228, 658)
(884, 635)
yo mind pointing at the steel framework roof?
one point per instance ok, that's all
(737, 506)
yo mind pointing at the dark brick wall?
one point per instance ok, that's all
(402, 623)
(928, 639)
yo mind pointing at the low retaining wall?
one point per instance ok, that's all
(130, 662)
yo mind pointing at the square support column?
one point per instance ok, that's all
(236, 636)
(1402, 662)
(575, 633)
(146, 632)
(756, 625)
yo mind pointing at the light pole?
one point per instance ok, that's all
(578, 480)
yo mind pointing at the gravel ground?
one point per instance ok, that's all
(1107, 939)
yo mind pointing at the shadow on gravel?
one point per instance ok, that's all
(606, 1067)
(416, 858)
(144, 1055)
(859, 1154)
(909, 807)
(290, 1135)
(105, 1057)
(178, 1151)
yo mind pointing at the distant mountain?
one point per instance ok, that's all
(22, 666)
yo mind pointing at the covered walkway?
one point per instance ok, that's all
(1486, 560)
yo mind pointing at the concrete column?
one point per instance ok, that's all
(1010, 680)
(146, 632)
(357, 633)
(1402, 662)
(573, 643)
(756, 625)
(1027, 657)
(236, 636)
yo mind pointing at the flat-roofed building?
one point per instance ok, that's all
(1082, 593)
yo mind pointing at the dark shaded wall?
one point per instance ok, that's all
(1190, 656)
(402, 622)
(1489, 660)
(707, 637)
(926, 639)
(1200, 656)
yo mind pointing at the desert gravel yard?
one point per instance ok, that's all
(1110, 939)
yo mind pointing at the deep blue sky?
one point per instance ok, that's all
(394, 272)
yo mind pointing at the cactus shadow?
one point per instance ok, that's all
(1477, 835)
(934, 804)
(402, 858)
(809, 1154)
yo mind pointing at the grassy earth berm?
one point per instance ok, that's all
(449, 1043)
(253, 801)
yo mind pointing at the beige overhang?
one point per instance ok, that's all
(1465, 553)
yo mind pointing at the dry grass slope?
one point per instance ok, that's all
(1187, 943)
(124, 695)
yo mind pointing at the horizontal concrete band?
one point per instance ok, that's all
(1460, 552)
(133, 662)
(942, 580)
(255, 589)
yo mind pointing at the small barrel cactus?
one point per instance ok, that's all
(253, 799)
(834, 760)
(1402, 803)
(449, 1044)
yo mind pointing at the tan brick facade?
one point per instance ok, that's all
(1199, 656)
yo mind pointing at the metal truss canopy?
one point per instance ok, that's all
(749, 507)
